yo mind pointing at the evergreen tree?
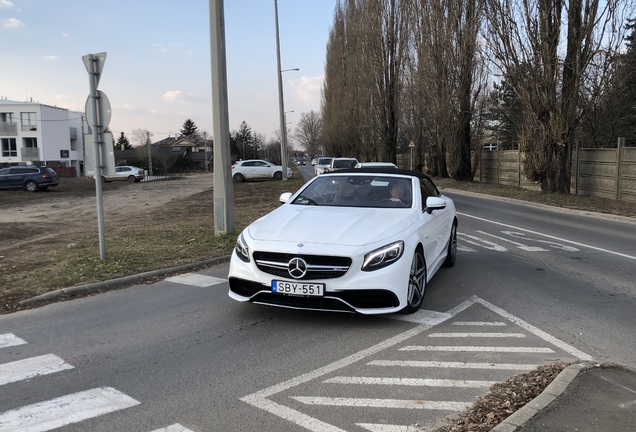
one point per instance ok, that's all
(123, 143)
(189, 128)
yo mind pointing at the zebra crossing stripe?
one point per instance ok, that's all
(479, 323)
(9, 339)
(452, 365)
(419, 382)
(31, 367)
(478, 349)
(58, 412)
(384, 403)
(375, 427)
(173, 428)
(472, 335)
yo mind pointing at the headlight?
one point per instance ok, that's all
(242, 250)
(383, 257)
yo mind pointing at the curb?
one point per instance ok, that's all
(112, 283)
(551, 392)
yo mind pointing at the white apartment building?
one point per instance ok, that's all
(36, 134)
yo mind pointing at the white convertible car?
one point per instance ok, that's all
(359, 240)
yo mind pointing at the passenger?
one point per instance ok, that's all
(346, 192)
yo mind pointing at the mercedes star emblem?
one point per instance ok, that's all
(297, 268)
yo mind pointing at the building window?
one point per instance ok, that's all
(9, 147)
(64, 154)
(28, 121)
(6, 117)
(31, 142)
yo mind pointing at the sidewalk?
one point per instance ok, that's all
(583, 398)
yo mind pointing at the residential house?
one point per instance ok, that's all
(32, 133)
(196, 149)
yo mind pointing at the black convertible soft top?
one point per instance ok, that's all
(379, 170)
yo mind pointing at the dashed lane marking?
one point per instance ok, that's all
(31, 367)
(58, 412)
(195, 279)
(384, 403)
(415, 382)
(478, 349)
(9, 339)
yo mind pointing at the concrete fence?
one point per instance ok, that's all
(607, 173)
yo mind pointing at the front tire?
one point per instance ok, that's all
(31, 186)
(451, 253)
(417, 283)
(278, 175)
(238, 177)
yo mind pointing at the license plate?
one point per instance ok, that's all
(298, 288)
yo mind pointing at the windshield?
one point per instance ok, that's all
(324, 161)
(344, 163)
(378, 191)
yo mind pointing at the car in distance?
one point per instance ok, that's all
(125, 173)
(341, 163)
(321, 165)
(377, 238)
(302, 162)
(255, 169)
(314, 161)
(31, 178)
(375, 165)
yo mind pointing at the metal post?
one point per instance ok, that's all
(149, 153)
(223, 190)
(281, 107)
(97, 137)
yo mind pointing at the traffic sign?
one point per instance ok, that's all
(103, 108)
(99, 59)
(411, 144)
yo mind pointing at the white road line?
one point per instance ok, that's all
(484, 243)
(173, 428)
(452, 365)
(415, 382)
(476, 335)
(55, 413)
(479, 323)
(384, 403)
(422, 316)
(9, 339)
(551, 237)
(31, 367)
(478, 349)
(548, 242)
(519, 245)
(532, 329)
(378, 427)
(463, 248)
(195, 279)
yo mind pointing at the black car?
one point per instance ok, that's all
(31, 178)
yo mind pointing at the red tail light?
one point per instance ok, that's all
(46, 175)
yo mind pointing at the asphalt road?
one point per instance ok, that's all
(530, 286)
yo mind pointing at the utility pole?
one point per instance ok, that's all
(149, 153)
(224, 222)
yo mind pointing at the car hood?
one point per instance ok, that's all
(331, 225)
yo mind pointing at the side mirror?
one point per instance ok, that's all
(285, 197)
(434, 203)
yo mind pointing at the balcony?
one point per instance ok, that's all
(8, 129)
(30, 153)
(73, 133)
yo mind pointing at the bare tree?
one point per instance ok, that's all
(525, 41)
(308, 132)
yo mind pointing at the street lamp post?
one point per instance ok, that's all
(283, 126)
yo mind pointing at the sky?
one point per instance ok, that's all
(157, 69)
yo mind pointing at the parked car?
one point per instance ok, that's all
(31, 178)
(377, 237)
(341, 163)
(258, 169)
(375, 165)
(125, 173)
(321, 165)
(314, 161)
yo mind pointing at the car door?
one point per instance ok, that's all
(16, 177)
(262, 170)
(435, 227)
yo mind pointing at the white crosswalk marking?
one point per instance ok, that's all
(478, 349)
(479, 323)
(55, 413)
(482, 243)
(31, 367)
(384, 403)
(418, 382)
(195, 279)
(9, 339)
(476, 335)
(372, 427)
(173, 428)
(456, 365)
